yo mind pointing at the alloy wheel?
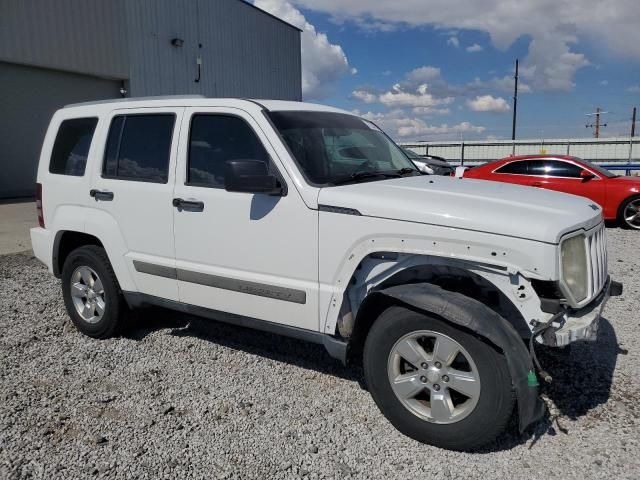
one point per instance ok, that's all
(631, 214)
(434, 377)
(87, 294)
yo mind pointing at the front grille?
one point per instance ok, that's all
(597, 261)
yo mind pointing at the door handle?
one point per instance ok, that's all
(189, 205)
(103, 195)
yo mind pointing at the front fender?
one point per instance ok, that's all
(466, 312)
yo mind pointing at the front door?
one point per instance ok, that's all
(249, 254)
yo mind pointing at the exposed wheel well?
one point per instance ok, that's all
(67, 241)
(448, 278)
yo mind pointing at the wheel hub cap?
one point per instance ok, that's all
(87, 294)
(447, 390)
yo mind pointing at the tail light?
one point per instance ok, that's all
(39, 204)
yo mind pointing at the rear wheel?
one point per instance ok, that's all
(629, 213)
(435, 383)
(91, 292)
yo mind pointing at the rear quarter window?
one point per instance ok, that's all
(514, 168)
(71, 146)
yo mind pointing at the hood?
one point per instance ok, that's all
(492, 207)
(626, 180)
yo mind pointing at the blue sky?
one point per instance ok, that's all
(439, 76)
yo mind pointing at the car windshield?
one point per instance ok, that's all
(599, 170)
(335, 148)
(412, 155)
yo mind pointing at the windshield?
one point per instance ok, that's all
(596, 168)
(412, 155)
(336, 148)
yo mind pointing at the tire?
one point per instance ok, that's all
(629, 203)
(481, 418)
(83, 266)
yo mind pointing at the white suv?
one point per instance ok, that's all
(308, 221)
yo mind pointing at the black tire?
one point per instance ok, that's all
(495, 405)
(621, 221)
(95, 258)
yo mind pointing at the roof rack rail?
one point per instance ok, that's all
(133, 99)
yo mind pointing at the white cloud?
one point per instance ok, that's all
(322, 61)
(399, 97)
(555, 27)
(474, 48)
(453, 41)
(604, 83)
(487, 103)
(397, 124)
(366, 97)
(634, 89)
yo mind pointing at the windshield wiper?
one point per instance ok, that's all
(406, 170)
(356, 176)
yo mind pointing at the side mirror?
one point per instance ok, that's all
(586, 175)
(250, 176)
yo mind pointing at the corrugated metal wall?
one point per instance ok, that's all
(244, 52)
(83, 36)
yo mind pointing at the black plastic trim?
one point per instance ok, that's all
(335, 347)
(232, 284)
(334, 209)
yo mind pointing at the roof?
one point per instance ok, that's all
(201, 101)
(272, 16)
(546, 155)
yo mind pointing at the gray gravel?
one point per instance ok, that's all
(180, 397)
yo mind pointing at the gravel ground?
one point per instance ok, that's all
(179, 397)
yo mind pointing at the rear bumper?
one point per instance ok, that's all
(42, 245)
(582, 324)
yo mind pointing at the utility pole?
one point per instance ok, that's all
(515, 102)
(596, 126)
(633, 134)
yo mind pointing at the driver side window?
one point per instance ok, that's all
(213, 140)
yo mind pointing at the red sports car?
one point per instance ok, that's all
(618, 196)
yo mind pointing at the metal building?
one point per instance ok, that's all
(53, 53)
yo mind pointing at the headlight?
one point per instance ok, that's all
(574, 266)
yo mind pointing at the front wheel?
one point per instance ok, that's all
(436, 383)
(629, 213)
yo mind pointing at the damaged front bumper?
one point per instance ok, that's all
(581, 324)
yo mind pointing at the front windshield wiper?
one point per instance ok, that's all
(406, 170)
(363, 175)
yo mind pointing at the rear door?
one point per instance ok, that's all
(133, 187)
(564, 176)
(248, 254)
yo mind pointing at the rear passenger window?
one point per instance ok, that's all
(515, 168)
(215, 139)
(71, 147)
(139, 147)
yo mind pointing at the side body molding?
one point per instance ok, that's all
(475, 316)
